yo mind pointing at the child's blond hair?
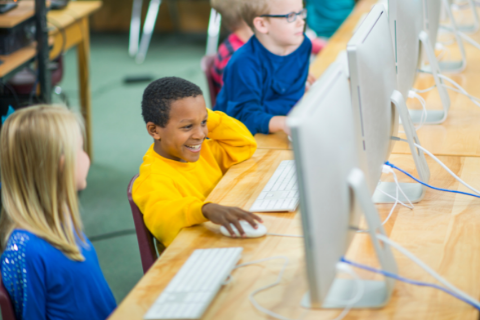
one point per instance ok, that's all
(250, 9)
(38, 147)
(231, 12)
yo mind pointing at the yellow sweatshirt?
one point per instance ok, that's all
(170, 194)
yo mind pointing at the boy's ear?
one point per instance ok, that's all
(261, 24)
(154, 130)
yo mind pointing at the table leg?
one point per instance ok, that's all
(83, 55)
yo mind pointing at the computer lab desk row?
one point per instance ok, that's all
(443, 230)
(459, 135)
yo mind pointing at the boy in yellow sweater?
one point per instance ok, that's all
(193, 148)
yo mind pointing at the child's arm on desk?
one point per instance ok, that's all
(230, 141)
(166, 211)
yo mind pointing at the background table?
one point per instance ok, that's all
(70, 28)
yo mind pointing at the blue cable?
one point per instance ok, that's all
(409, 281)
(427, 185)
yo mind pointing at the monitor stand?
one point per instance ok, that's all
(376, 292)
(433, 116)
(449, 66)
(470, 28)
(414, 191)
(454, 66)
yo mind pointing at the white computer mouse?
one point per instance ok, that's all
(250, 232)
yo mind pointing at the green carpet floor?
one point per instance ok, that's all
(120, 139)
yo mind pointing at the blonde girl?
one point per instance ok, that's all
(49, 268)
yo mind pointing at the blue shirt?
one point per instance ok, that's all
(44, 284)
(259, 84)
(326, 16)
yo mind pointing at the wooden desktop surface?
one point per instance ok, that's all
(442, 231)
(458, 135)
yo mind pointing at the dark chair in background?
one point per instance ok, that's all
(206, 64)
(5, 303)
(24, 81)
(145, 239)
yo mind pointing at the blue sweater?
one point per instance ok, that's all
(44, 284)
(259, 84)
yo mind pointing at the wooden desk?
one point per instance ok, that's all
(69, 28)
(442, 231)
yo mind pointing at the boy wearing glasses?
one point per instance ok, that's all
(266, 77)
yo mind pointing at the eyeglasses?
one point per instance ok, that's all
(291, 17)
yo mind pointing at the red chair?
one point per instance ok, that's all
(6, 303)
(145, 239)
(23, 82)
(206, 64)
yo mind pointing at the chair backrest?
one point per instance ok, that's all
(148, 252)
(206, 64)
(5, 303)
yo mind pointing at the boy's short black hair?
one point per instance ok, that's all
(159, 95)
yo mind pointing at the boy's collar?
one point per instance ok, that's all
(273, 55)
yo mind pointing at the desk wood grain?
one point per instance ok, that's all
(443, 230)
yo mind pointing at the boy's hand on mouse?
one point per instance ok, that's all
(224, 216)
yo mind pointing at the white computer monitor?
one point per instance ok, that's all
(377, 105)
(432, 12)
(406, 20)
(333, 192)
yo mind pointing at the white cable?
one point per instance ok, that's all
(401, 190)
(393, 207)
(440, 46)
(392, 197)
(447, 169)
(425, 90)
(475, 100)
(251, 297)
(458, 91)
(341, 266)
(387, 169)
(284, 235)
(423, 119)
(469, 40)
(443, 166)
(429, 270)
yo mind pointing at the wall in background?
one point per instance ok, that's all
(191, 16)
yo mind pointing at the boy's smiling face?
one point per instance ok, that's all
(181, 139)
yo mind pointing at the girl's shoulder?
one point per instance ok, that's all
(22, 244)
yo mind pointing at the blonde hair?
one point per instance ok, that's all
(251, 9)
(230, 11)
(38, 147)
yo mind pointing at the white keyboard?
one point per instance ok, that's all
(280, 193)
(190, 292)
